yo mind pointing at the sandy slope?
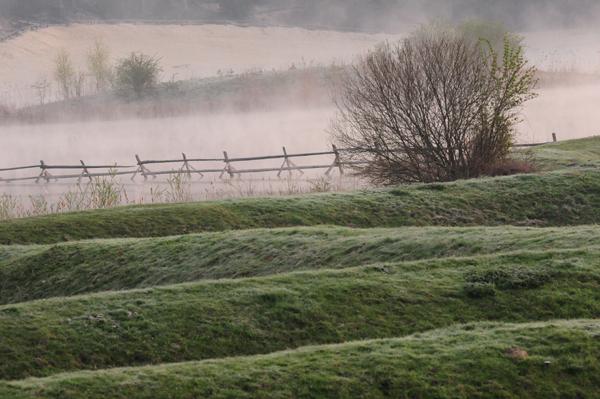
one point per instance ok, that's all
(186, 50)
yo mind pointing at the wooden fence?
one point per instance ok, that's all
(229, 167)
(184, 165)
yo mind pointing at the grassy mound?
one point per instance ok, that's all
(583, 153)
(554, 199)
(36, 272)
(536, 360)
(253, 316)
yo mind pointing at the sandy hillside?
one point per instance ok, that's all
(186, 51)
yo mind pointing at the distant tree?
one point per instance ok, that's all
(99, 67)
(437, 106)
(41, 87)
(137, 75)
(64, 73)
(79, 83)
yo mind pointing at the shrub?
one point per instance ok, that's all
(511, 277)
(137, 75)
(479, 290)
(438, 106)
(511, 166)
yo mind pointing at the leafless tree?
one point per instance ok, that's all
(434, 107)
(41, 87)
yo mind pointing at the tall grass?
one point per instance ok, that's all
(110, 192)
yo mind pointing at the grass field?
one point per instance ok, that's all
(554, 199)
(584, 153)
(474, 289)
(44, 271)
(472, 361)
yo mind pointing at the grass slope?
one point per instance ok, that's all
(472, 361)
(252, 316)
(584, 153)
(554, 199)
(36, 272)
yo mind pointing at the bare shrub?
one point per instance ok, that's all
(179, 188)
(39, 206)
(73, 200)
(321, 185)
(437, 106)
(8, 207)
(137, 75)
(104, 192)
(41, 87)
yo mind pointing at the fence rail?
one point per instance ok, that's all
(191, 166)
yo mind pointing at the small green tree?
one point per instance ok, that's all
(99, 67)
(64, 73)
(137, 75)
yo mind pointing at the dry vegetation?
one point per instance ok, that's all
(110, 192)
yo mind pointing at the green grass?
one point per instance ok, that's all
(36, 272)
(471, 361)
(252, 316)
(583, 153)
(262, 275)
(554, 199)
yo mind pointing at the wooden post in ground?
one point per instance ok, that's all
(141, 169)
(228, 168)
(187, 168)
(554, 138)
(289, 164)
(337, 163)
(44, 174)
(85, 173)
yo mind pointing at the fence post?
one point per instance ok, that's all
(187, 168)
(228, 168)
(337, 163)
(141, 169)
(44, 174)
(554, 138)
(289, 164)
(85, 173)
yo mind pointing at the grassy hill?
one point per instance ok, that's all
(555, 199)
(215, 319)
(37, 272)
(308, 86)
(227, 286)
(482, 360)
(582, 153)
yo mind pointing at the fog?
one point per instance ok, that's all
(242, 134)
(186, 51)
(566, 106)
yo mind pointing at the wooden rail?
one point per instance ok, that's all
(187, 166)
(191, 166)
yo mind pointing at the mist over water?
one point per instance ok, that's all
(242, 134)
(566, 108)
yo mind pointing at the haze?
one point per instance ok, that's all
(567, 46)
